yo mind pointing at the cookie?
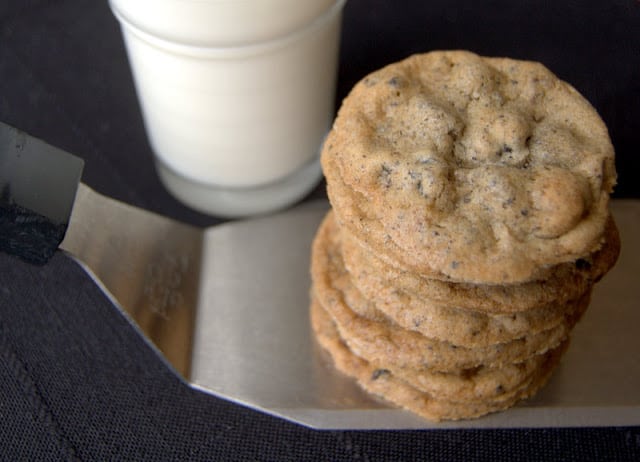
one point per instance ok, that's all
(374, 277)
(372, 334)
(457, 327)
(385, 385)
(470, 222)
(466, 385)
(470, 169)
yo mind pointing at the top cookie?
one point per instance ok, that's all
(476, 169)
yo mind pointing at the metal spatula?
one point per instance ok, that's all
(227, 306)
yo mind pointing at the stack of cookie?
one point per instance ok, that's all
(469, 223)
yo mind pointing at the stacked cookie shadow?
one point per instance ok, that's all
(458, 300)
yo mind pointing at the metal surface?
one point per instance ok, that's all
(149, 266)
(251, 338)
(37, 176)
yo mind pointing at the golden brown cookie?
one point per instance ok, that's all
(398, 319)
(459, 385)
(384, 384)
(470, 169)
(373, 277)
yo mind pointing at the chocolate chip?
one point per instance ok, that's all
(385, 176)
(508, 202)
(394, 82)
(379, 373)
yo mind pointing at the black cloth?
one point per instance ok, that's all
(77, 382)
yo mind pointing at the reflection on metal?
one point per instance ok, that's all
(148, 264)
(228, 309)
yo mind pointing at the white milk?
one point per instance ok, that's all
(236, 95)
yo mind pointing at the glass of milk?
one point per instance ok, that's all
(236, 96)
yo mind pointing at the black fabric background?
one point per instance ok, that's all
(77, 383)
